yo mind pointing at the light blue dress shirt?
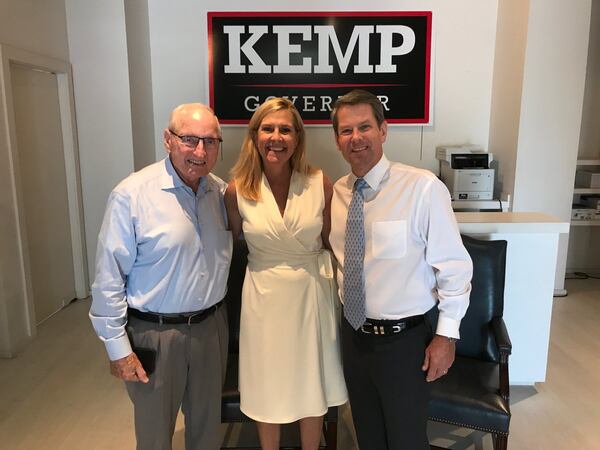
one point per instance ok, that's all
(162, 248)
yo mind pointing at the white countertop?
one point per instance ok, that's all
(509, 222)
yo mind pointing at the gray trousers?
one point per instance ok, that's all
(190, 370)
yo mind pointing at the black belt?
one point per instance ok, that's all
(387, 327)
(189, 318)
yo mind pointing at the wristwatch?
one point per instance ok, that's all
(450, 339)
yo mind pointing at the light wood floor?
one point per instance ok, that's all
(58, 393)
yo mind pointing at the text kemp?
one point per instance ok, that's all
(325, 34)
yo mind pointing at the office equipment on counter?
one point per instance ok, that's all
(587, 208)
(590, 201)
(465, 170)
(582, 212)
(586, 194)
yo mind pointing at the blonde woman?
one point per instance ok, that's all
(290, 365)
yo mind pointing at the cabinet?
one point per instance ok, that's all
(593, 165)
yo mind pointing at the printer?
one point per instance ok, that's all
(465, 170)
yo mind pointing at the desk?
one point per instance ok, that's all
(480, 205)
(530, 270)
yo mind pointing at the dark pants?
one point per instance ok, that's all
(190, 369)
(387, 388)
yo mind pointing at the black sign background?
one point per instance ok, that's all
(407, 90)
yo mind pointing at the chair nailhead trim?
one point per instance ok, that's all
(487, 430)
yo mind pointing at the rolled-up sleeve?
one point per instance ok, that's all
(115, 255)
(452, 264)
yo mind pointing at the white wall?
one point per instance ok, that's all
(551, 108)
(551, 105)
(589, 143)
(140, 82)
(13, 309)
(98, 54)
(511, 39)
(37, 27)
(464, 39)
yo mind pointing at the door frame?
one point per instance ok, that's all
(62, 69)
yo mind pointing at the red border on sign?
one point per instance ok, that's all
(426, 14)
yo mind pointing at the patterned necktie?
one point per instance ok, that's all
(354, 256)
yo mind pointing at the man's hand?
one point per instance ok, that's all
(439, 356)
(129, 368)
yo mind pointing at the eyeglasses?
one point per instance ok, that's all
(191, 142)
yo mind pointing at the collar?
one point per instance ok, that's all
(374, 176)
(169, 179)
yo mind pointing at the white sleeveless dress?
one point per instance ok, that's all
(290, 364)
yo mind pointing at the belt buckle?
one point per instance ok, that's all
(364, 330)
(191, 316)
(375, 329)
(398, 327)
(199, 313)
(381, 329)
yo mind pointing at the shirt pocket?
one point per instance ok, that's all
(389, 239)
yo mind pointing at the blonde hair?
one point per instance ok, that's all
(247, 171)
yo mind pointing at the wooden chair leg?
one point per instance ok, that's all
(500, 442)
(330, 431)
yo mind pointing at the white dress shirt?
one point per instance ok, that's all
(162, 248)
(414, 255)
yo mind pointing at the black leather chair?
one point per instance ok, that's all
(475, 392)
(230, 401)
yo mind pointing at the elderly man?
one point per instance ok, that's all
(161, 271)
(399, 250)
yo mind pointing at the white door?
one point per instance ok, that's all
(44, 188)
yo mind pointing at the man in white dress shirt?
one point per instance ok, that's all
(413, 260)
(161, 273)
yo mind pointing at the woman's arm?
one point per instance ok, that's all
(328, 191)
(233, 213)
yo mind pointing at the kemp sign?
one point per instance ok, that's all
(313, 58)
